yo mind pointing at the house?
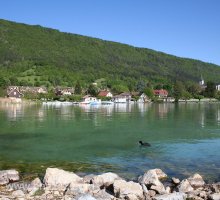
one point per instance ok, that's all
(143, 99)
(161, 93)
(202, 84)
(218, 87)
(14, 93)
(64, 91)
(89, 100)
(105, 94)
(119, 99)
(122, 98)
(127, 95)
(33, 90)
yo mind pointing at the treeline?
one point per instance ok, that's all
(34, 56)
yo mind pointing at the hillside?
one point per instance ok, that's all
(34, 54)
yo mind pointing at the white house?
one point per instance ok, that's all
(119, 99)
(143, 99)
(89, 100)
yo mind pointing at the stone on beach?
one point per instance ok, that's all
(196, 181)
(59, 179)
(18, 194)
(34, 186)
(151, 179)
(86, 197)
(105, 179)
(215, 196)
(185, 186)
(173, 196)
(77, 189)
(128, 190)
(7, 176)
(175, 180)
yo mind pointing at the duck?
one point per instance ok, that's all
(146, 144)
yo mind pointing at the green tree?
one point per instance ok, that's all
(178, 90)
(149, 92)
(93, 90)
(210, 90)
(3, 82)
(194, 89)
(141, 85)
(78, 88)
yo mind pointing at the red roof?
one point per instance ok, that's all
(103, 93)
(161, 92)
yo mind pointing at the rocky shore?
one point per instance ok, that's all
(64, 185)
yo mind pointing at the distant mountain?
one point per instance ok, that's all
(47, 56)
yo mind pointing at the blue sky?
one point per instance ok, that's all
(185, 28)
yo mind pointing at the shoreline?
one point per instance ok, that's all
(32, 101)
(154, 184)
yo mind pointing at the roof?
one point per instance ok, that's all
(14, 90)
(103, 93)
(161, 92)
(87, 96)
(125, 94)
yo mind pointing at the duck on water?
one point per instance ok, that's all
(144, 144)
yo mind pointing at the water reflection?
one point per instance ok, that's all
(69, 111)
(108, 135)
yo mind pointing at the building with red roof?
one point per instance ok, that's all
(105, 94)
(161, 93)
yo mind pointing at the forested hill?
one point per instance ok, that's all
(34, 53)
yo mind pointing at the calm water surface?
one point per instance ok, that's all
(185, 138)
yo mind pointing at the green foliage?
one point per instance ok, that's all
(179, 91)
(75, 98)
(210, 90)
(78, 88)
(149, 92)
(34, 55)
(119, 88)
(141, 85)
(105, 98)
(194, 89)
(2, 92)
(217, 96)
(93, 90)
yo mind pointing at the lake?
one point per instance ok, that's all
(185, 138)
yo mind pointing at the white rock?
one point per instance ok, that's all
(185, 186)
(34, 186)
(158, 188)
(145, 189)
(152, 193)
(175, 180)
(168, 189)
(160, 173)
(173, 196)
(77, 189)
(203, 194)
(215, 196)
(86, 197)
(103, 195)
(18, 194)
(88, 178)
(59, 179)
(128, 190)
(196, 180)
(151, 178)
(7, 176)
(105, 179)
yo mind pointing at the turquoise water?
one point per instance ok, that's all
(185, 138)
